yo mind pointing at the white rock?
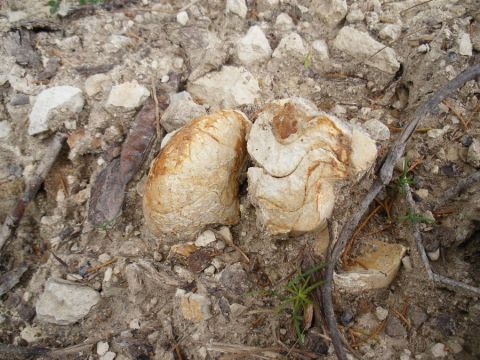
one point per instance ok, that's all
(331, 11)
(355, 14)
(238, 7)
(128, 95)
(59, 97)
(407, 263)
(377, 130)
(5, 129)
(439, 350)
(108, 275)
(267, 5)
(31, 334)
(228, 88)
(473, 154)
(298, 151)
(65, 303)
(381, 313)
(14, 16)
(194, 307)
(464, 44)
(423, 48)
(97, 83)
(290, 46)
(225, 232)
(182, 18)
(321, 49)
(284, 22)
(134, 324)
(102, 347)
(254, 47)
(434, 255)
(120, 41)
(181, 110)
(361, 45)
(110, 355)
(205, 238)
(390, 32)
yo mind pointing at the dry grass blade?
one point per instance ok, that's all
(384, 177)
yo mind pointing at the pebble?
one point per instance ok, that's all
(129, 95)
(5, 129)
(321, 49)
(390, 32)
(108, 275)
(464, 44)
(110, 355)
(210, 270)
(290, 46)
(254, 47)
(234, 278)
(225, 232)
(65, 303)
(181, 110)
(182, 18)
(394, 327)
(237, 7)
(284, 22)
(360, 44)
(205, 238)
(331, 12)
(381, 313)
(194, 307)
(377, 130)
(423, 49)
(422, 193)
(346, 317)
(97, 83)
(228, 88)
(102, 348)
(20, 99)
(134, 324)
(473, 154)
(59, 97)
(407, 263)
(31, 334)
(434, 255)
(355, 14)
(237, 310)
(439, 350)
(417, 315)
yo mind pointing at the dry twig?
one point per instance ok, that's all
(13, 219)
(385, 174)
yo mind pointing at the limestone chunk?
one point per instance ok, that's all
(299, 153)
(193, 182)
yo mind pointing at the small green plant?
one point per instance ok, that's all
(414, 218)
(54, 5)
(307, 60)
(404, 179)
(296, 297)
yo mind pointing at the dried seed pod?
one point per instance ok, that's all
(300, 152)
(194, 180)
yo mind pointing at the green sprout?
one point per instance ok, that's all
(307, 60)
(296, 297)
(404, 179)
(414, 218)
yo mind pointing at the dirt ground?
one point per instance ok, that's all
(136, 274)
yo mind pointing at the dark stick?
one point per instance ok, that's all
(13, 219)
(384, 178)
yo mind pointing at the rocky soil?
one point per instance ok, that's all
(127, 289)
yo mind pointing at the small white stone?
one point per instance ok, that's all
(238, 7)
(424, 48)
(390, 32)
(5, 129)
(128, 95)
(355, 14)
(210, 270)
(182, 18)
(331, 12)
(407, 263)
(321, 49)
(254, 47)
(102, 348)
(134, 324)
(225, 232)
(108, 275)
(422, 193)
(435, 133)
(110, 355)
(205, 238)
(404, 356)
(377, 130)
(97, 83)
(439, 350)
(434, 255)
(104, 257)
(31, 334)
(284, 22)
(165, 78)
(58, 97)
(381, 313)
(464, 44)
(290, 46)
